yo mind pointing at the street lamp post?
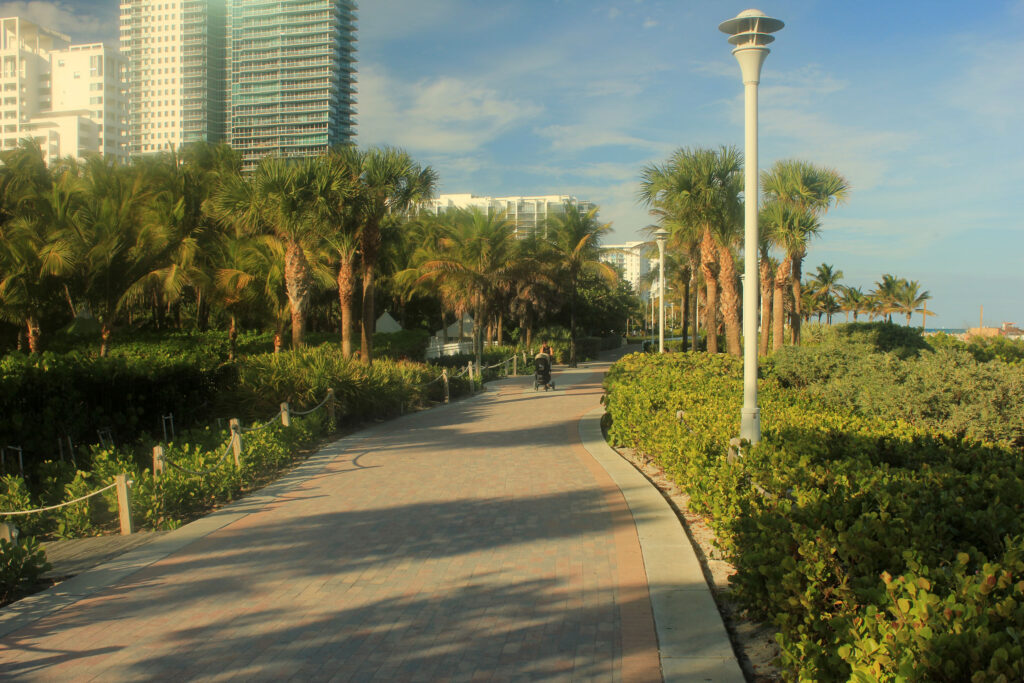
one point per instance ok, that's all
(659, 236)
(750, 32)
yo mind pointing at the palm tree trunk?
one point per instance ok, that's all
(797, 298)
(296, 276)
(572, 326)
(105, 333)
(782, 275)
(232, 337)
(346, 289)
(709, 268)
(501, 323)
(766, 281)
(366, 338)
(32, 331)
(684, 306)
(730, 300)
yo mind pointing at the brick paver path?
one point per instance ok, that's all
(475, 541)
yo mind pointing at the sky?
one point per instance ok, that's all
(917, 104)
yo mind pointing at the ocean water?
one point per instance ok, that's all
(947, 330)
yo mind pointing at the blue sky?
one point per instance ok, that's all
(917, 104)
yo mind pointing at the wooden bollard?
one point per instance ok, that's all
(330, 405)
(444, 380)
(286, 415)
(469, 374)
(124, 504)
(236, 440)
(515, 364)
(158, 461)
(506, 367)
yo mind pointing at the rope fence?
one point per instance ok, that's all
(59, 505)
(162, 462)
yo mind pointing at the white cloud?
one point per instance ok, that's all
(441, 115)
(57, 15)
(650, 23)
(578, 137)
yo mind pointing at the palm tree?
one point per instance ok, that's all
(33, 205)
(808, 189)
(826, 283)
(573, 240)
(852, 300)
(386, 182)
(477, 257)
(113, 249)
(886, 295)
(281, 198)
(910, 299)
(696, 194)
(337, 213)
(790, 228)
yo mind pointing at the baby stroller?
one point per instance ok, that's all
(542, 372)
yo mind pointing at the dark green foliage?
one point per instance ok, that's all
(880, 550)
(402, 345)
(22, 563)
(49, 396)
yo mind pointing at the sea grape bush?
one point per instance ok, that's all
(880, 549)
(880, 370)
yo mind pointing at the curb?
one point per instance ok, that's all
(692, 641)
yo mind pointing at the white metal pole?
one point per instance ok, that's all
(750, 425)
(750, 32)
(661, 296)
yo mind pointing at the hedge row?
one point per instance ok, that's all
(880, 550)
(47, 397)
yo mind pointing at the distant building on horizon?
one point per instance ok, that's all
(529, 214)
(69, 98)
(631, 258)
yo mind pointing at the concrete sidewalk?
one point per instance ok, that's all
(475, 541)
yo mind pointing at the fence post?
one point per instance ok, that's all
(444, 379)
(286, 415)
(330, 405)
(469, 374)
(124, 504)
(158, 461)
(515, 364)
(236, 440)
(506, 367)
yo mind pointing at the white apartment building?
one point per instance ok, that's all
(68, 97)
(529, 214)
(90, 80)
(631, 258)
(176, 72)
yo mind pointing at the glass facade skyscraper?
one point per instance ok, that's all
(292, 76)
(267, 76)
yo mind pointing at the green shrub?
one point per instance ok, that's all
(22, 563)
(945, 389)
(828, 508)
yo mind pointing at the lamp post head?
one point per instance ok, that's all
(660, 235)
(750, 31)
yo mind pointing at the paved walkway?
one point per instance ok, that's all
(475, 541)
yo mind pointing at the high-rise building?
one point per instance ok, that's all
(292, 76)
(528, 214)
(176, 73)
(69, 98)
(632, 258)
